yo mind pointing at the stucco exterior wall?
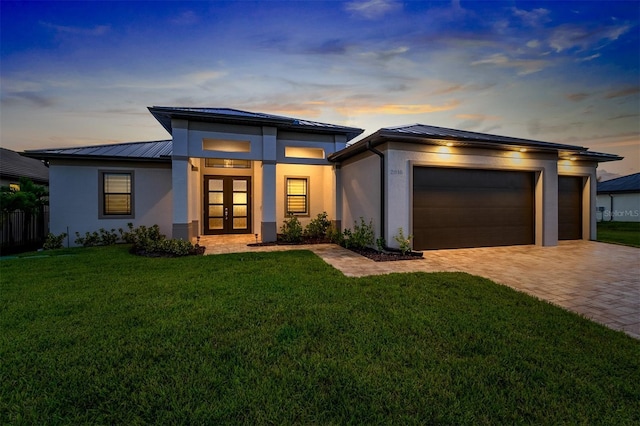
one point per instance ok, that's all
(619, 207)
(320, 190)
(361, 187)
(360, 178)
(74, 192)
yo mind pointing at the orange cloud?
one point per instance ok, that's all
(397, 109)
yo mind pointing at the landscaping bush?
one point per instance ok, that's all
(362, 236)
(318, 227)
(404, 242)
(54, 241)
(291, 230)
(100, 238)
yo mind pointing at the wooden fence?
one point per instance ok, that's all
(22, 233)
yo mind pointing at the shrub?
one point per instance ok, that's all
(318, 227)
(291, 230)
(362, 235)
(53, 242)
(100, 238)
(404, 242)
(142, 235)
(335, 235)
(381, 243)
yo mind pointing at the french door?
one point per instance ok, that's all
(227, 205)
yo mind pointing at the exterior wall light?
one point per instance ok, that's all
(523, 149)
(449, 144)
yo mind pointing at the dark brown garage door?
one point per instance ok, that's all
(455, 208)
(569, 207)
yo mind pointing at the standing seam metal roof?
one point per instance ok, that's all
(421, 133)
(164, 115)
(630, 183)
(154, 150)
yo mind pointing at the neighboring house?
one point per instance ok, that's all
(619, 199)
(227, 171)
(13, 166)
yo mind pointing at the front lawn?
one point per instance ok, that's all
(98, 336)
(627, 233)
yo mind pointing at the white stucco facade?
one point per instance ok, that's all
(74, 196)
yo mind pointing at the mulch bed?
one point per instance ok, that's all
(379, 256)
(370, 253)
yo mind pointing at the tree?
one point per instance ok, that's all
(30, 199)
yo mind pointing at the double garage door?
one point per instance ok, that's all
(456, 208)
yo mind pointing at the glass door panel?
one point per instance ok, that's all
(227, 207)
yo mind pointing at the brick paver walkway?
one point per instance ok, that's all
(600, 281)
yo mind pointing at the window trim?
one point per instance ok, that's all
(307, 180)
(101, 195)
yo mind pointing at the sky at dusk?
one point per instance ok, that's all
(83, 73)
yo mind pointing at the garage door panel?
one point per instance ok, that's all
(570, 207)
(456, 208)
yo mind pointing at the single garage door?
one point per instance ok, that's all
(570, 207)
(455, 208)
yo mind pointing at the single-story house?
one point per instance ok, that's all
(619, 199)
(227, 171)
(13, 166)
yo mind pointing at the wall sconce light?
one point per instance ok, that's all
(523, 149)
(572, 158)
(449, 144)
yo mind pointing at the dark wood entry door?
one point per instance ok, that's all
(227, 205)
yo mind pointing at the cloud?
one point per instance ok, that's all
(570, 36)
(589, 58)
(30, 98)
(98, 30)
(397, 109)
(372, 9)
(532, 18)
(622, 92)
(577, 97)
(188, 17)
(525, 66)
(386, 55)
(473, 121)
(330, 47)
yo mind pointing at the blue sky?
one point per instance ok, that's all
(83, 73)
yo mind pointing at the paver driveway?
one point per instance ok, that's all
(598, 280)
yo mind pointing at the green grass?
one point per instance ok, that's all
(99, 336)
(627, 233)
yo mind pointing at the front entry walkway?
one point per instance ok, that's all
(598, 280)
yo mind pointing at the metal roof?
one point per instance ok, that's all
(150, 151)
(14, 166)
(228, 115)
(630, 183)
(433, 135)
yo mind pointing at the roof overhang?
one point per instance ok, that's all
(382, 136)
(165, 115)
